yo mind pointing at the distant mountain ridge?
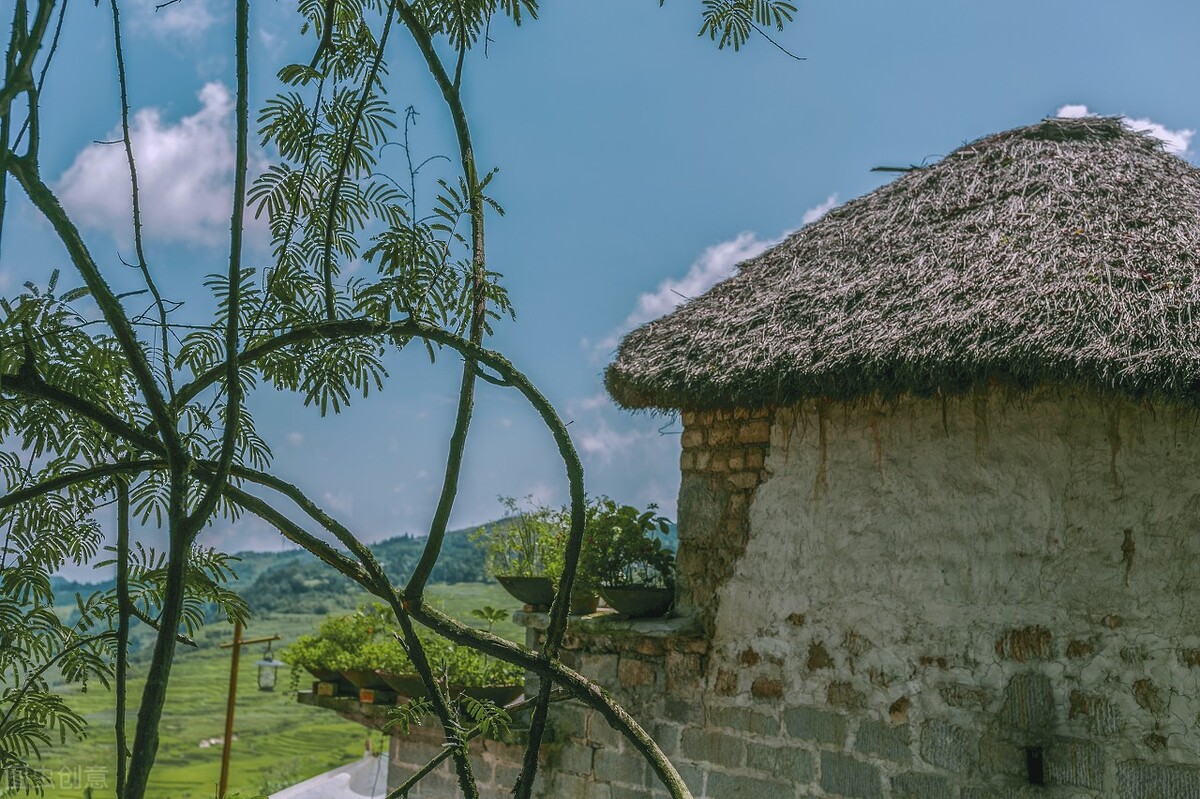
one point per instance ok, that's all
(294, 581)
(268, 577)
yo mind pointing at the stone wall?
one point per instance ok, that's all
(722, 464)
(922, 599)
(940, 592)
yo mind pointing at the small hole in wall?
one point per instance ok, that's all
(1034, 766)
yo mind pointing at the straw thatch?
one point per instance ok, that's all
(1063, 252)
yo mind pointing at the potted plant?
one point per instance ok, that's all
(519, 548)
(322, 659)
(634, 566)
(473, 673)
(335, 654)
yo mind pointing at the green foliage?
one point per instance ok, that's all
(526, 544)
(492, 720)
(467, 667)
(368, 639)
(625, 546)
(411, 713)
(729, 23)
(86, 400)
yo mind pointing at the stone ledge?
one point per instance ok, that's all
(609, 622)
(375, 717)
(349, 708)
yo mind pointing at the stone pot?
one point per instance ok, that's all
(637, 601)
(364, 678)
(328, 675)
(537, 591)
(409, 685)
(501, 695)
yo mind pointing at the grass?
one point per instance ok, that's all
(279, 742)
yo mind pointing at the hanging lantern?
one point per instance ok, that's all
(266, 670)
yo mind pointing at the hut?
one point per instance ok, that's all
(941, 482)
(939, 498)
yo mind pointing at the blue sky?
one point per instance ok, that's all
(638, 165)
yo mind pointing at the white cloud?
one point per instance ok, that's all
(341, 502)
(185, 175)
(295, 438)
(1175, 141)
(603, 443)
(818, 211)
(1073, 112)
(595, 401)
(184, 19)
(714, 265)
(5, 279)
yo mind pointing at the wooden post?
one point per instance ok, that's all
(228, 742)
(236, 645)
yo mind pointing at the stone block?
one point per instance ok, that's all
(1028, 702)
(709, 746)
(885, 740)
(1150, 696)
(622, 792)
(693, 777)
(575, 759)
(766, 688)
(811, 724)
(635, 673)
(727, 683)
(1026, 644)
(844, 694)
(794, 765)
(755, 432)
(1074, 763)
(601, 733)
(998, 755)
(844, 776)
(567, 721)
(685, 671)
(949, 747)
(818, 657)
(743, 719)
(1137, 780)
(730, 786)
(920, 786)
(1099, 714)
(600, 668)
(626, 767)
(563, 785)
(683, 711)
(666, 735)
(964, 696)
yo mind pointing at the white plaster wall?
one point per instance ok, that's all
(927, 529)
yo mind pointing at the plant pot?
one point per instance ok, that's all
(364, 678)
(501, 695)
(410, 685)
(328, 675)
(583, 604)
(638, 601)
(537, 591)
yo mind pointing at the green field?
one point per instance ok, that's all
(278, 741)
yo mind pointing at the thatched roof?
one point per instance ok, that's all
(1065, 252)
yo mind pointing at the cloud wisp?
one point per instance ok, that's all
(716, 263)
(1175, 141)
(186, 19)
(185, 176)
